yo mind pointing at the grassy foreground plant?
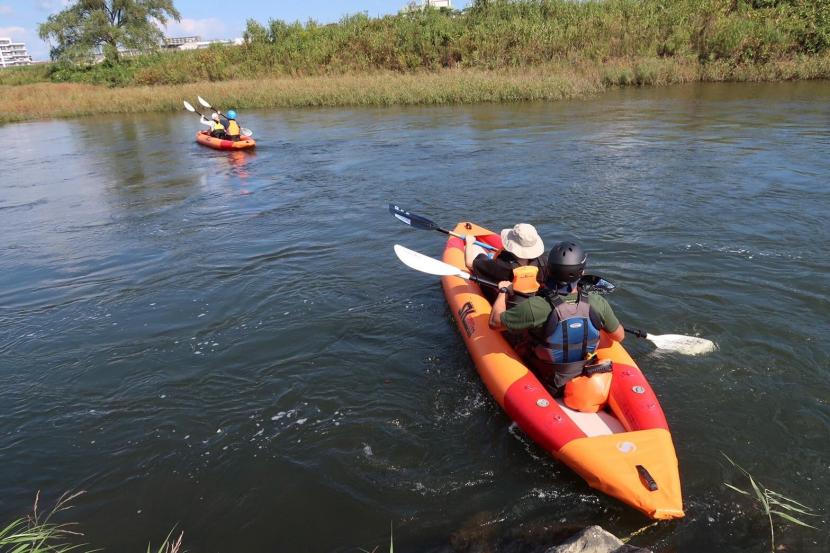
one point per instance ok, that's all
(37, 533)
(391, 542)
(772, 503)
(169, 545)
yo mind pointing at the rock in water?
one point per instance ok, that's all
(595, 540)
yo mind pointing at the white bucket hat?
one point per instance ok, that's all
(523, 241)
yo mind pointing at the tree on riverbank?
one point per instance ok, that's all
(89, 26)
(495, 51)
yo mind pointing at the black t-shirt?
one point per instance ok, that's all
(501, 267)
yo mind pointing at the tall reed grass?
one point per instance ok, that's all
(491, 34)
(552, 81)
(495, 51)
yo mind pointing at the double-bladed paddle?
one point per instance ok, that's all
(202, 119)
(419, 222)
(191, 109)
(591, 283)
(429, 265)
(242, 131)
(688, 345)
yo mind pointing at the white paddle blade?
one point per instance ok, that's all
(203, 102)
(246, 132)
(421, 262)
(188, 107)
(687, 345)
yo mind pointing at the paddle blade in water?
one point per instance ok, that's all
(411, 219)
(687, 345)
(188, 107)
(203, 102)
(594, 283)
(425, 264)
(246, 132)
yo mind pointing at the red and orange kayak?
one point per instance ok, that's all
(625, 449)
(204, 138)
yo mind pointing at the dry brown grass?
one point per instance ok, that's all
(548, 82)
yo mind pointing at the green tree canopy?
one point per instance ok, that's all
(90, 26)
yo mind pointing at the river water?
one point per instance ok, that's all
(224, 343)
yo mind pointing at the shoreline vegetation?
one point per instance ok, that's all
(446, 86)
(494, 51)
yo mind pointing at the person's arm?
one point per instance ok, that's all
(500, 305)
(611, 329)
(471, 251)
(618, 335)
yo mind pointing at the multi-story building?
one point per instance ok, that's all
(13, 53)
(416, 5)
(179, 41)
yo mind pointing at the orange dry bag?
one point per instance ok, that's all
(588, 394)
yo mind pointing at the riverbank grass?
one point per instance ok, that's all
(553, 81)
(494, 51)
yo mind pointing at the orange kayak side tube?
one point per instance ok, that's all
(204, 138)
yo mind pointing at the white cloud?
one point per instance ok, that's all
(52, 5)
(13, 32)
(209, 28)
(6, 10)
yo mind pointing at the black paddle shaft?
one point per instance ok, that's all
(586, 280)
(414, 220)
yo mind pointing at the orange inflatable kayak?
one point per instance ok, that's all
(204, 138)
(624, 449)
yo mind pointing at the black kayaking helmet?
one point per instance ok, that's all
(566, 262)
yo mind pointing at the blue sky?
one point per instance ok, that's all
(209, 18)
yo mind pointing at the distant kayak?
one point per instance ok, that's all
(621, 446)
(204, 138)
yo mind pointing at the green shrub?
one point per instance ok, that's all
(491, 34)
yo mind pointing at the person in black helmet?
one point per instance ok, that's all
(565, 324)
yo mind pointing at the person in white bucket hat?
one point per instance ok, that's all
(521, 261)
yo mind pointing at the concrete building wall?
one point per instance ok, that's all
(13, 53)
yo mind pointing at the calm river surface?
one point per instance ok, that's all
(226, 343)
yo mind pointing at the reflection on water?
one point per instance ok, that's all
(225, 341)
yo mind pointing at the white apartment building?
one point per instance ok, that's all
(13, 53)
(177, 42)
(415, 5)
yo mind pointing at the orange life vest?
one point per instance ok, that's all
(524, 279)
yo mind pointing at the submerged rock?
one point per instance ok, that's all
(595, 540)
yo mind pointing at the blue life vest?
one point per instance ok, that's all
(571, 332)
